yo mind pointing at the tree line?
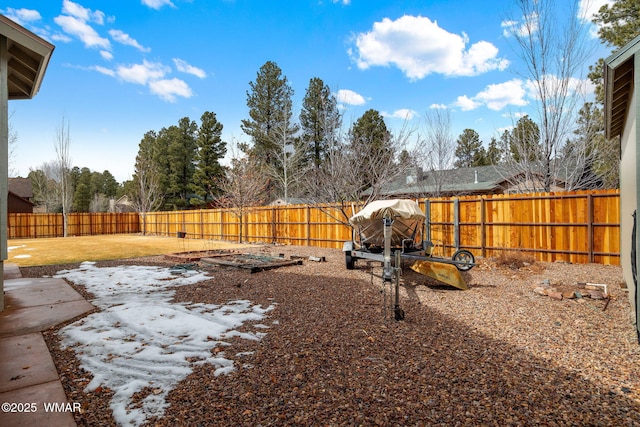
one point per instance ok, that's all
(311, 155)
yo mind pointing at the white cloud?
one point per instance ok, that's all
(588, 8)
(344, 2)
(105, 71)
(403, 114)
(60, 37)
(80, 29)
(168, 89)
(529, 25)
(419, 47)
(554, 85)
(496, 96)
(126, 39)
(106, 55)
(514, 115)
(438, 107)
(82, 13)
(22, 16)
(157, 4)
(184, 67)
(346, 96)
(152, 75)
(142, 73)
(465, 103)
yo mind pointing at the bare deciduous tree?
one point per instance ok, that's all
(12, 144)
(585, 155)
(63, 165)
(522, 162)
(286, 168)
(338, 182)
(551, 41)
(436, 150)
(46, 191)
(146, 194)
(243, 187)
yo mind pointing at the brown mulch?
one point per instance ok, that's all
(496, 354)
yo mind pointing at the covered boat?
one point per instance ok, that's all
(408, 220)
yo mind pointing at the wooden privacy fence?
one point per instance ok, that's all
(579, 227)
(31, 226)
(304, 225)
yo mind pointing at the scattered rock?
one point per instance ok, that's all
(555, 295)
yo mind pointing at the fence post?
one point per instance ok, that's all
(308, 225)
(590, 227)
(483, 229)
(427, 213)
(456, 223)
(274, 221)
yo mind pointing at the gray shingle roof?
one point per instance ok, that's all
(481, 179)
(21, 187)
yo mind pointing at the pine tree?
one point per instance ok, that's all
(469, 150)
(369, 145)
(210, 149)
(524, 141)
(269, 102)
(181, 152)
(82, 195)
(110, 185)
(319, 120)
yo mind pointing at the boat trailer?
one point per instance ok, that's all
(401, 222)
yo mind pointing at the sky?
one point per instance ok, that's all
(121, 69)
(140, 339)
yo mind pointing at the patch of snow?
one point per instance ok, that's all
(141, 341)
(22, 256)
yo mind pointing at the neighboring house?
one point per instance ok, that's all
(290, 201)
(17, 204)
(464, 181)
(123, 204)
(20, 195)
(621, 120)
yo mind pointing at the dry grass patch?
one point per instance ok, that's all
(63, 250)
(514, 259)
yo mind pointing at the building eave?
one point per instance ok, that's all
(27, 61)
(619, 70)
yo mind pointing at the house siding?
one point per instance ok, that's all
(628, 191)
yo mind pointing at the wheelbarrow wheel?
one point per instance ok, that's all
(465, 258)
(349, 261)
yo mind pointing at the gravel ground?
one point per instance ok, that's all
(497, 354)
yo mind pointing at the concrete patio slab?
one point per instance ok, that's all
(57, 412)
(25, 361)
(33, 305)
(30, 388)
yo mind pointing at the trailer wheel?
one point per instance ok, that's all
(464, 257)
(349, 261)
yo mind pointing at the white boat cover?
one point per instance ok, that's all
(394, 209)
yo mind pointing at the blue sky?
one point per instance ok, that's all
(123, 68)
